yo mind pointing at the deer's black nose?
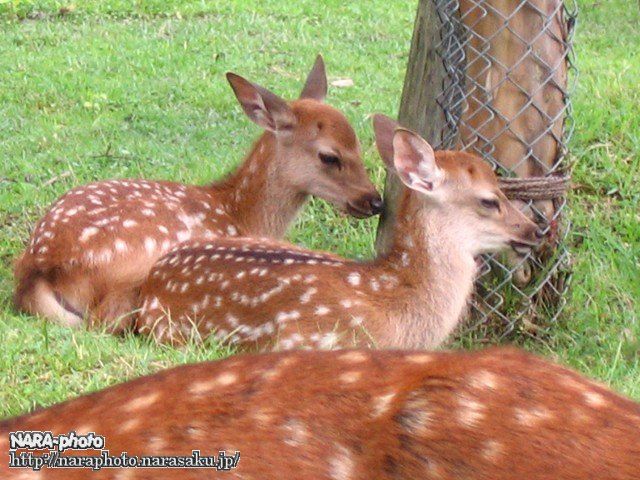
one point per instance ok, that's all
(540, 233)
(376, 205)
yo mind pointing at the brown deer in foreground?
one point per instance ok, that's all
(498, 414)
(98, 241)
(276, 296)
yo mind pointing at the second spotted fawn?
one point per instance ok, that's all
(498, 414)
(257, 293)
(92, 249)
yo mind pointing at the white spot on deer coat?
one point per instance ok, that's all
(328, 341)
(470, 412)
(531, 416)
(130, 424)
(183, 235)
(282, 317)
(492, 450)
(354, 356)
(346, 303)
(154, 304)
(150, 245)
(206, 386)
(104, 256)
(356, 321)
(484, 380)
(87, 233)
(291, 342)
(226, 378)
(419, 358)
(120, 245)
(306, 296)
(295, 433)
(381, 403)
(594, 399)
(354, 279)
(141, 402)
(350, 377)
(341, 464)
(232, 320)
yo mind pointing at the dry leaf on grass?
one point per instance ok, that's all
(342, 83)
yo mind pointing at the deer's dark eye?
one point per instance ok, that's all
(490, 204)
(328, 159)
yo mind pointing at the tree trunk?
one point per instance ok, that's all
(419, 109)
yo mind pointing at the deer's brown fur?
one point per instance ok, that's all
(91, 250)
(498, 414)
(262, 294)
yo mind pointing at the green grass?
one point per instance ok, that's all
(126, 89)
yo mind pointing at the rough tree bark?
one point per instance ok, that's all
(419, 110)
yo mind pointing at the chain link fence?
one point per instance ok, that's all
(506, 97)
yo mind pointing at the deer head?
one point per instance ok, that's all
(457, 187)
(318, 151)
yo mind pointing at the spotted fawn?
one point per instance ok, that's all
(269, 295)
(497, 414)
(95, 245)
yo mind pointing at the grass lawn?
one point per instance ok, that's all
(136, 89)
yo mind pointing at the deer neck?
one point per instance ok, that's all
(258, 196)
(437, 271)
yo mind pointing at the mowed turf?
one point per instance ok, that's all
(112, 89)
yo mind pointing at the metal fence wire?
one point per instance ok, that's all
(506, 97)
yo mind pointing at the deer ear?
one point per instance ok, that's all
(263, 107)
(384, 129)
(316, 85)
(415, 162)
